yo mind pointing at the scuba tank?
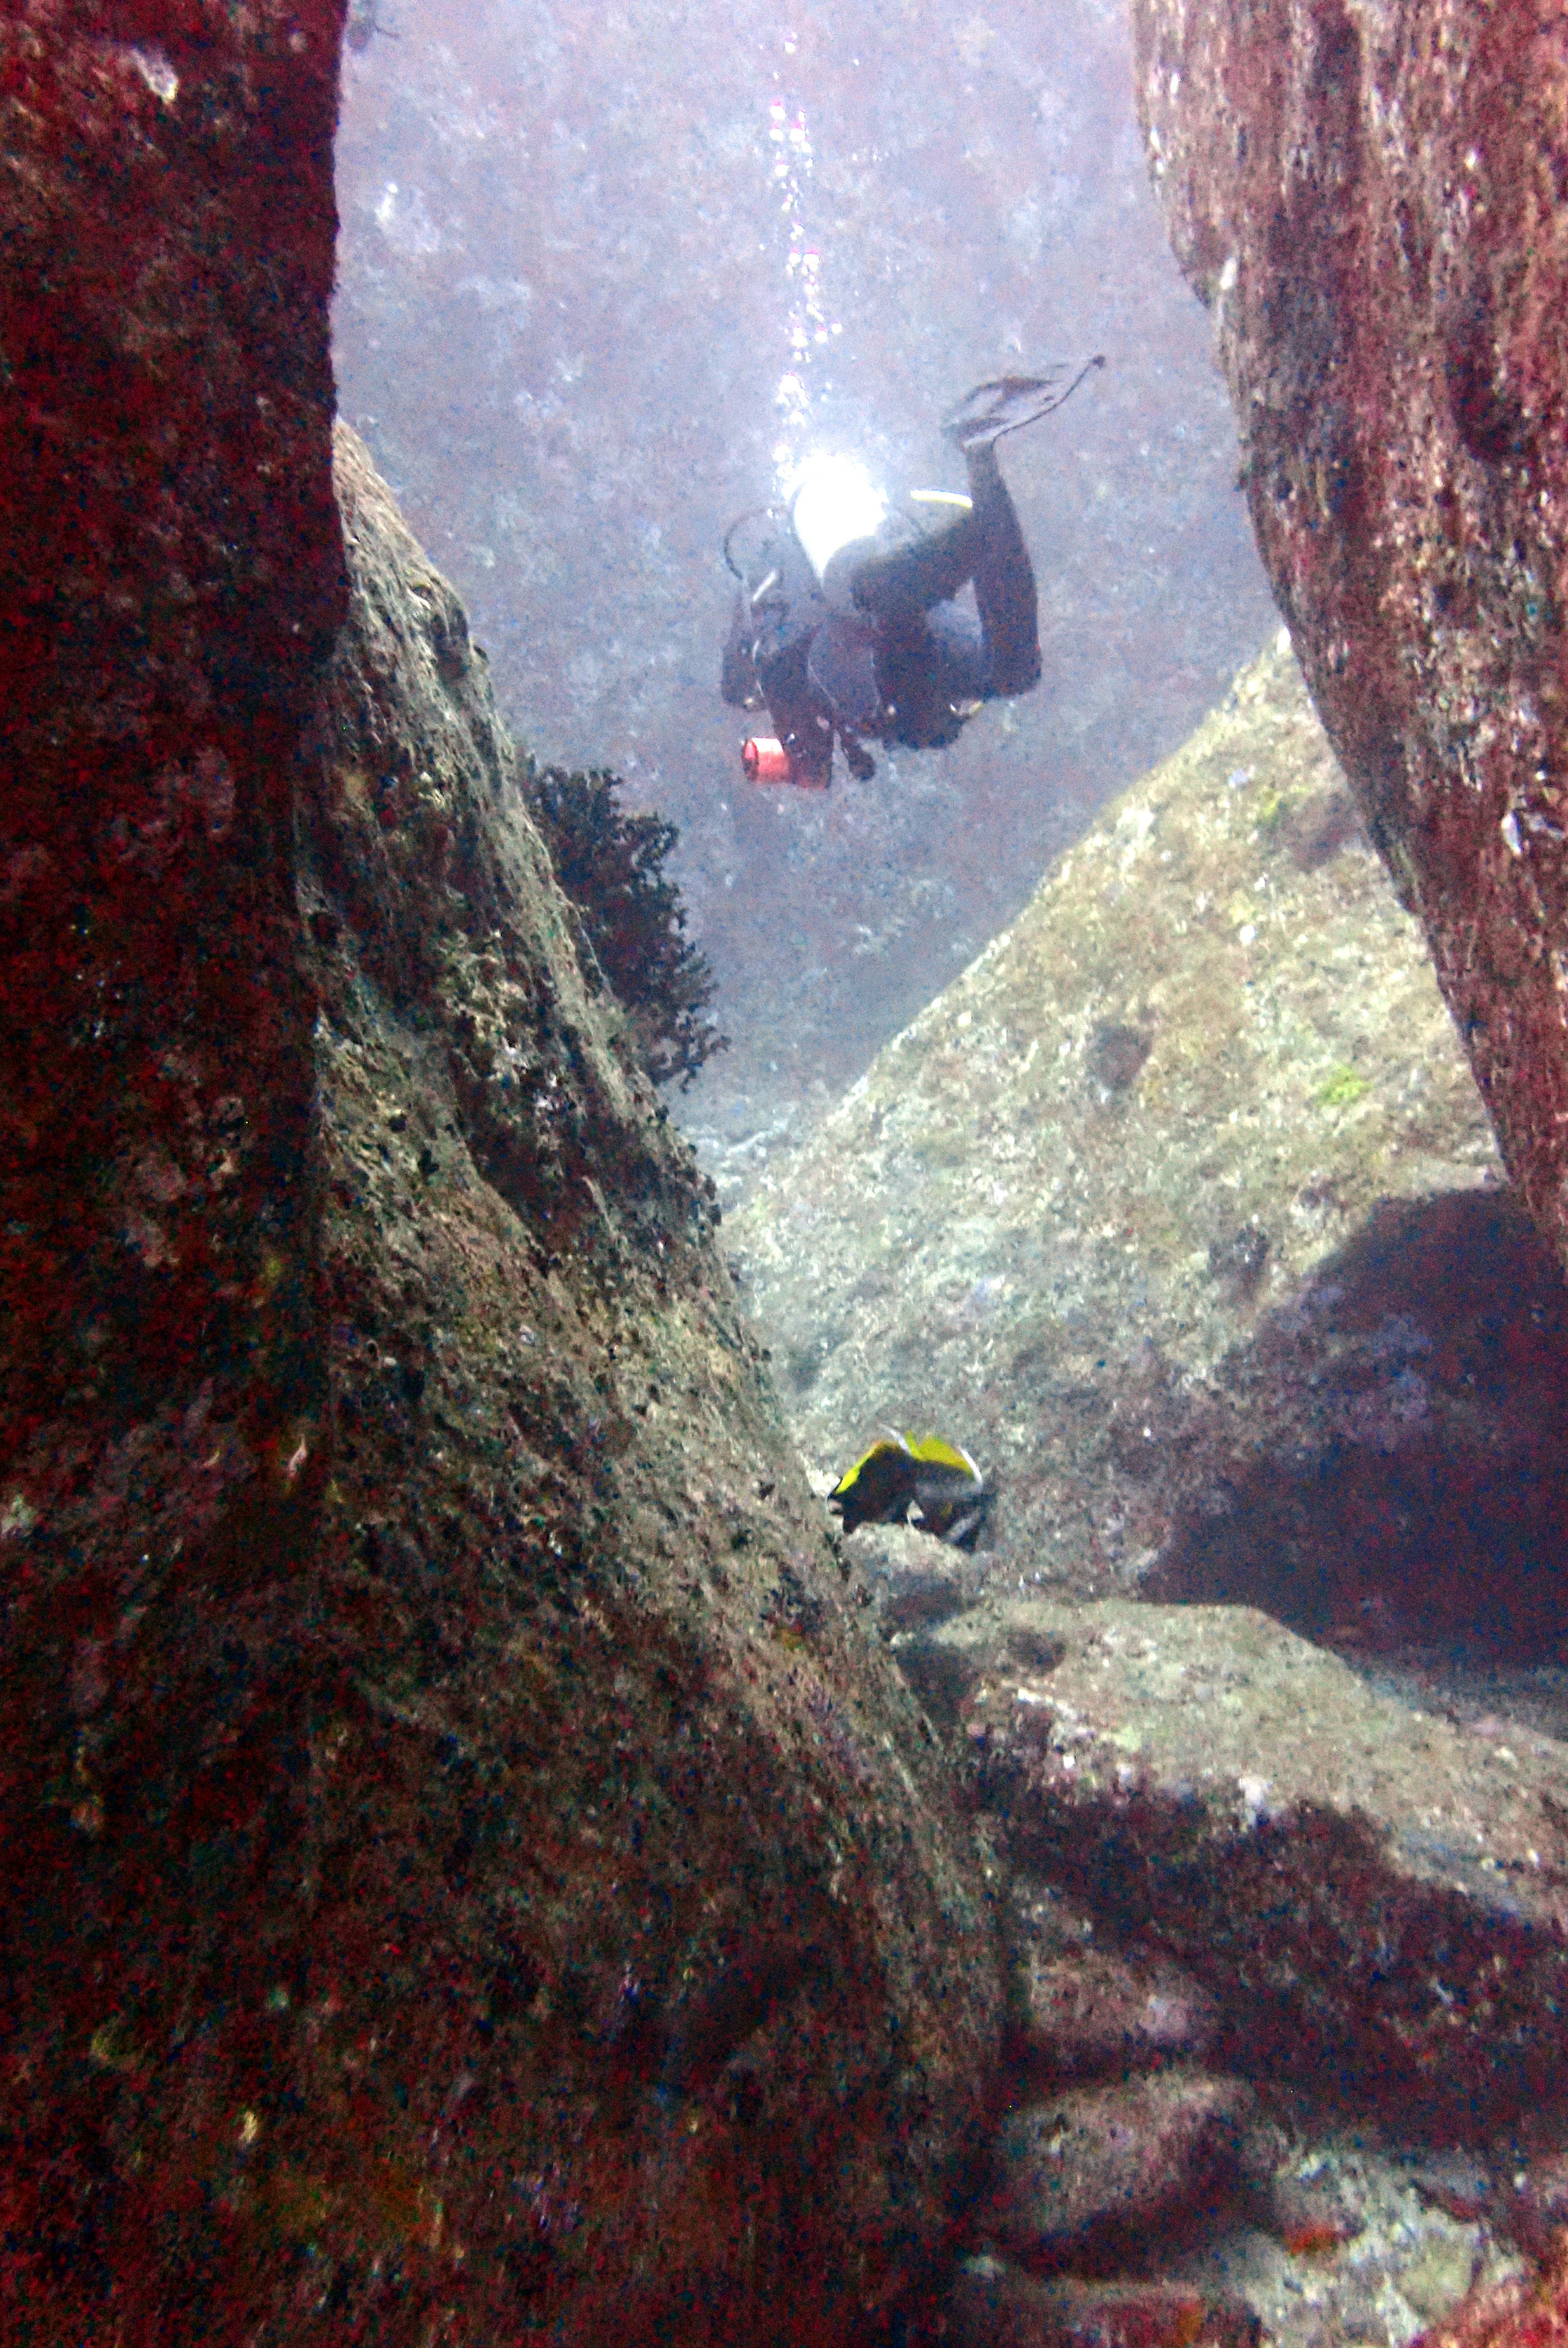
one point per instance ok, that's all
(834, 503)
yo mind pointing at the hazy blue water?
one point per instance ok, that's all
(581, 247)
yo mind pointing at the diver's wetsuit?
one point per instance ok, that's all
(880, 647)
(931, 656)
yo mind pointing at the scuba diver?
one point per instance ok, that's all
(845, 638)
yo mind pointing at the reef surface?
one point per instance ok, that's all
(1371, 203)
(1181, 1209)
(464, 1869)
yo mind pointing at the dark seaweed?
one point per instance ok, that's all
(609, 864)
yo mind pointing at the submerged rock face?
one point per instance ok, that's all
(172, 574)
(1371, 202)
(1095, 2173)
(1180, 1209)
(466, 1870)
(1527, 2312)
(1375, 1899)
(1081, 2010)
(997, 2307)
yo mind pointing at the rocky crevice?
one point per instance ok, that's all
(464, 1865)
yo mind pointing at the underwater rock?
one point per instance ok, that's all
(465, 1867)
(1257, 1326)
(1098, 2174)
(1089, 2010)
(1377, 1901)
(1530, 2206)
(1525, 2311)
(994, 2305)
(1372, 2265)
(1457, 2183)
(1371, 205)
(906, 1579)
(164, 283)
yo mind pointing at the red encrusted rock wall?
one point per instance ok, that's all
(466, 1871)
(1374, 202)
(170, 573)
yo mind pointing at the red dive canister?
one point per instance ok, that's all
(765, 761)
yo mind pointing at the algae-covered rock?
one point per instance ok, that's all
(1370, 202)
(1179, 1209)
(465, 1871)
(691, 1854)
(1375, 1898)
(998, 2306)
(1097, 2172)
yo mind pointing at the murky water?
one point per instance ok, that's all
(604, 270)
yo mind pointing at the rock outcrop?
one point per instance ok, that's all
(465, 1871)
(1527, 2312)
(1288, 1970)
(999, 2307)
(1375, 1898)
(1098, 2173)
(1180, 1209)
(1371, 202)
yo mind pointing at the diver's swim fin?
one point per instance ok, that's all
(1008, 404)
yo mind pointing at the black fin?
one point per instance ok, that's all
(1007, 404)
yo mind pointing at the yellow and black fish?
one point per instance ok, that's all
(901, 1472)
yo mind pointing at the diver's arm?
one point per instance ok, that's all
(802, 720)
(738, 671)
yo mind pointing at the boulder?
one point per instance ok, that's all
(1089, 2010)
(1100, 2174)
(465, 1867)
(1180, 1211)
(1375, 1899)
(994, 2305)
(1528, 2310)
(1371, 204)
(910, 1577)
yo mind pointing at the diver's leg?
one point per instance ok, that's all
(912, 578)
(1009, 403)
(1003, 577)
(962, 655)
(985, 544)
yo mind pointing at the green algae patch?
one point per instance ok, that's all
(1343, 1088)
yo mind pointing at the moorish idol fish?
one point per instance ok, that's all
(901, 1472)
